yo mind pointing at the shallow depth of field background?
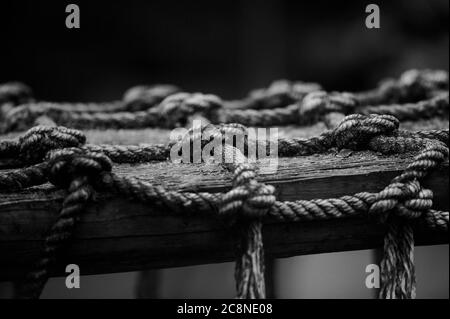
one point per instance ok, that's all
(226, 48)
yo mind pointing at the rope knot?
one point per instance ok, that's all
(222, 132)
(315, 104)
(177, 108)
(15, 93)
(281, 93)
(67, 164)
(12, 94)
(406, 200)
(420, 82)
(143, 97)
(356, 130)
(39, 140)
(248, 196)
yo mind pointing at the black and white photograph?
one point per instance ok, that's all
(203, 153)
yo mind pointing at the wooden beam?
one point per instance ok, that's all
(116, 234)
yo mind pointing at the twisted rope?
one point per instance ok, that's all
(279, 94)
(435, 106)
(411, 85)
(86, 167)
(404, 196)
(282, 103)
(252, 200)
(74, 170)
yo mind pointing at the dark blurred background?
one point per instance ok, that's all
(226, 48)
(222, 47)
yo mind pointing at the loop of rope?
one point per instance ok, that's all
(36, 143)
(282, 103)
(176, 109)
(74, 170)
(251, 200)
(72, 165)
(11, 95)
(143, 97)
(411, 85)
(67, 164)
(23, 178)
(15, 93)
(421, 82)
(355, 131)
(406, 200)
(247, 196)
(434, 106)
(279, 94)
(316, 104)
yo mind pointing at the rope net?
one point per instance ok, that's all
(57, 152)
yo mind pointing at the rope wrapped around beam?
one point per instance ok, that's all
(416, 94)
(404, 196)
(60, 155)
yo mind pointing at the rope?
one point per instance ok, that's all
(255, 200)
(398, 280)
(283, 103)
(432, 155)
(75, 171)
(23, 178)
(279, 94)
(15, 93)
(411, 85)
(436, 106)
(61, 155)
(252, 200)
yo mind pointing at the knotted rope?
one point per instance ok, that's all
(252, 201)
(411, 85)
(76, 171)
(177, 108)
(283, 103)
(79, 168)
(404, 196)
(144, 97)
(11, 95)
(314, 105)
(279, 94)
(15, 93)
(246, 203)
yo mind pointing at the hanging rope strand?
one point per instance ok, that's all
(60, 155)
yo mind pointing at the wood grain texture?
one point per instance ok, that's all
(117, 234)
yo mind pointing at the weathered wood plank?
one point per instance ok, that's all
(119, 235)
